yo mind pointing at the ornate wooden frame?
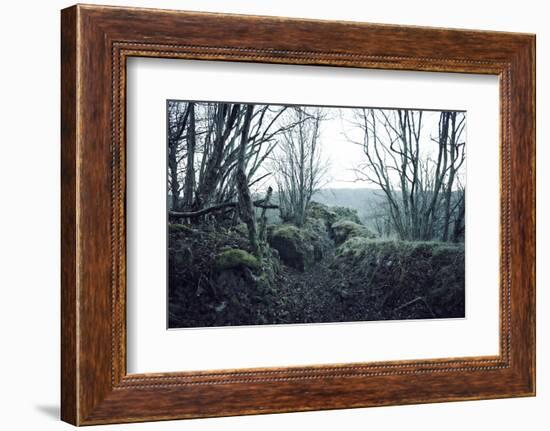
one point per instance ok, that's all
(95, 42)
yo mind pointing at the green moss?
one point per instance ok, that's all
(332, 214)
(315, 226)
(174, 227)
(236, 258)
(345, 213)
(294, 245)
(321, 212)
(354, 247)
(345, 229)
(443, 249)
(385, 250)
(240, 229)
(289, 232)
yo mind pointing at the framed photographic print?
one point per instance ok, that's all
(266, 214)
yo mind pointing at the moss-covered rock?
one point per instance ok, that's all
(215, 280)
(322, 212)
(340, 223)
(315, 231)
(240, 229)
(345, 229)
(236, 258)
(354, 247)
(293, 245)
(332, 214)
(345, 213)
(300, 247)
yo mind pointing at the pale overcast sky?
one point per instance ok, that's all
(343, 155)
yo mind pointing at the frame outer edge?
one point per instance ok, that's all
(524, 215)
(69, 202)
(87, 397)
(533, 53)
(532, 82)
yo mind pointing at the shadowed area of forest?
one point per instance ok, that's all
(289, 214)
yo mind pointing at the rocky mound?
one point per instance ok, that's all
(301, 247)
(424, 279)
(216, 280)
(332, 214)
(345, 229)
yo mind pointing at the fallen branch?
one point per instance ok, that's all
(417, 299)
(192, 214)
(204, 211)
(264, 203)
(266, 206)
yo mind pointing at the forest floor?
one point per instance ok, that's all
(325, 294)
(333, 271)
(313, 293)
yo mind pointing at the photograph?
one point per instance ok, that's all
(295, 214)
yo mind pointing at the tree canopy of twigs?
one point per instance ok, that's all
(203, 150)
(423, 189)
(299, 166)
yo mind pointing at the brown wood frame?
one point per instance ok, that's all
(95, 43)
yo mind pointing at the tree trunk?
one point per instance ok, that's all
(458, 228)
(452, 172)
(189, 184)
(246, 207)
(173, 167)
(263, 218)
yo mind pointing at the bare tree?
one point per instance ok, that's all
(379, 216)
(300, 168)
(453, 123)
(207, 153)
(419, 186)
(177, 122)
